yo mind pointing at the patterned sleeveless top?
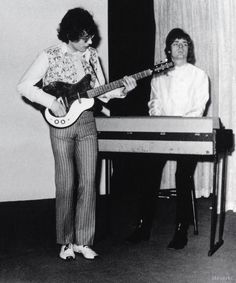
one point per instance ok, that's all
(62, 66)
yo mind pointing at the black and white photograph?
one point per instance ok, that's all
(117, 148)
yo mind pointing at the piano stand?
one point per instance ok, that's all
(214, 246)
(174, 135)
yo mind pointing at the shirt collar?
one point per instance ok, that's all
(85, 55)
(178, 69)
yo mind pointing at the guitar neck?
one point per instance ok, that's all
(116, 84)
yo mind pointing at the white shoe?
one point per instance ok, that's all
(67, 252)
(86, 251)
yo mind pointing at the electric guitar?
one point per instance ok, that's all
(79, 97)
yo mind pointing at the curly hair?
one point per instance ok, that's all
(178, 33)
(75, 24)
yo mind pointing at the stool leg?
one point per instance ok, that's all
(168, 193)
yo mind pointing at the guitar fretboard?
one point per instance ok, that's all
(119, 83)
(116, 84)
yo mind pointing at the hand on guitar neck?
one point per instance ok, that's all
(129, 84)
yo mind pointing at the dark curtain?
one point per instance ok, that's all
(131, 31)
(131, 39)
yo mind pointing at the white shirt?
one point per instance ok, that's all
(38, 69)
(183, 91)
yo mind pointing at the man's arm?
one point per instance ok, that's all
(154, 104)
(35, 73)
(201, 96)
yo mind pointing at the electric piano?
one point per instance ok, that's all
(174, 135)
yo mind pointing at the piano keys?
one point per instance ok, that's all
(163, 135)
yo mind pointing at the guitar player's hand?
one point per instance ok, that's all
(129, 84)
(58, 109)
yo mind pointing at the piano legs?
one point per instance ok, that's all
(218, 191)
(218, 197)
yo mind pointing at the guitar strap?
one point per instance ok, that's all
(99, 107)
(95, 73)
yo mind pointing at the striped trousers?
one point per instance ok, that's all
(75, 154)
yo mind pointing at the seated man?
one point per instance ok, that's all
(183, 91)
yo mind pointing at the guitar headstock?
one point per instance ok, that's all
(163, 66)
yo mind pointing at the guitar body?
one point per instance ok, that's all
(76, 109)
(73, 97)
